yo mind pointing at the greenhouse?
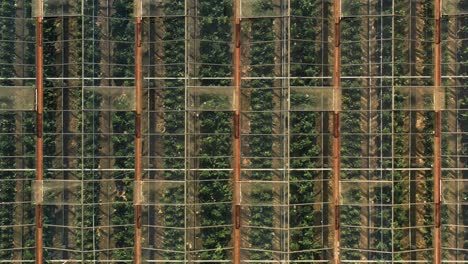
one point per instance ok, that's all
(234, 131)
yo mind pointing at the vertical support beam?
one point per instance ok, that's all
(237, 132)
(138, 138)
(39, 129)
(336, 132)
(437, 132)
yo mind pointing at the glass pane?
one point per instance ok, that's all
(162, 192)
(262, 252)
(110, 98)
(378, 239)
(366, 7)
(57, 8)
(262, 193)
(150, 255)
(416, 98)
(366, 192)
(263, 8)
(204, 238)
(166, 216)
(312, 98)
(211, 98)
(414, 239)
(159, 8)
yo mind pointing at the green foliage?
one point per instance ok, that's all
(380, 221)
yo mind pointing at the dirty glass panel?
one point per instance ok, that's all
(17, 98)
(57, 8)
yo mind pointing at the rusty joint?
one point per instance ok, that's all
(236, 126)
(138, 125)
(438, 124)
(238, 35)
(337, 34)
(39, 32)
(39, 216)
(138, 32)
(337, 216)
(138, 217)
(336, 125)
(437, 214)
(39, 125)
(437, 31)
(237, 212)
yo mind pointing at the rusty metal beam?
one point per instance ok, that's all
(336, 132)
(39, 129)
(138, 136)
(437, 135)
(237, 142)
